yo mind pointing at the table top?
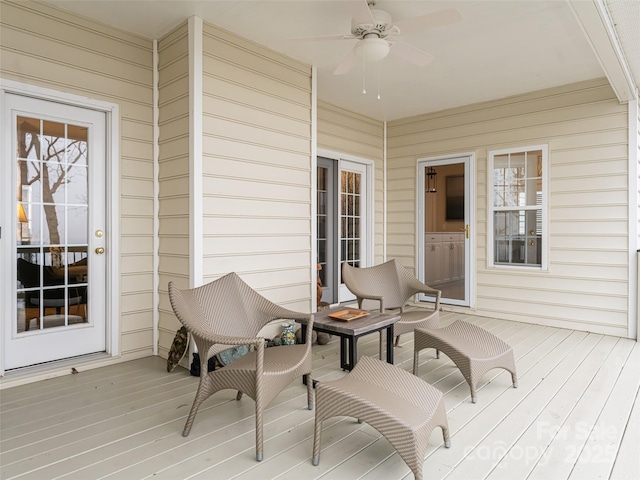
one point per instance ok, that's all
(373, 321)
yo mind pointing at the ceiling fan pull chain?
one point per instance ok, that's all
(378, 81)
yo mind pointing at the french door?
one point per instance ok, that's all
(354, 216)
(344, 209)
(56, 155)
(327, 228)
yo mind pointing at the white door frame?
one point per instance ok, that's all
(368, 234)
(469, 213)
(112, 237)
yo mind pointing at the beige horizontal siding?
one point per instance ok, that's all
(49, 47)
(173, 176)
(252, 208)
(347, 133)
(256, 167)
(586, 284)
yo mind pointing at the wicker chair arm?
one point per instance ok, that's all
(361, 296)
(281, 313)
(230, 341)
(420, 287)
(309, 336)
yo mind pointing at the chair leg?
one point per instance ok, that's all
(417, 472)
(203, 386)
(259, 437)
(309, 392)
(443, 423)
(446, 438)
(192, 416)
(416, 353)
(317, 434)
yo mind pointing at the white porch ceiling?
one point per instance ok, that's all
(500, 48)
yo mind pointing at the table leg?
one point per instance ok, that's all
(390, 344)
(303, 337)
(353, 352)
(343, 353)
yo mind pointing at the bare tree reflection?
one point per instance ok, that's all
(51, 154)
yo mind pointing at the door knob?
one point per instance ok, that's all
(100, 250)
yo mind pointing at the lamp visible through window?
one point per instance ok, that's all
(432, 185)
(22, 219)
(22, 216)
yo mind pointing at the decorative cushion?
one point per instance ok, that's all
(227, 356)
(178, 349)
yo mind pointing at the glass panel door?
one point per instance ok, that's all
(327, 229)
(353, 218)
(56, 154)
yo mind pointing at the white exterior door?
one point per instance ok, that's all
(445, 237)
(353, 225)
(55, 282)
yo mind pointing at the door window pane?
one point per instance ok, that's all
(350, 217)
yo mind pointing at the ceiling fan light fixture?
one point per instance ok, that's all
(372, 49)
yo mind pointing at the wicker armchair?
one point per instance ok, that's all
(225, 313)
(391, 285)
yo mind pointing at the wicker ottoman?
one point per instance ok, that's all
(402, 407)
(474, 350)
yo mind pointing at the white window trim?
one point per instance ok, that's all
(544, 265)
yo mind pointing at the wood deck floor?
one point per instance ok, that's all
(575, 415)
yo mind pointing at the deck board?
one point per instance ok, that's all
(125, 421)
(565, 449)
(601, 448)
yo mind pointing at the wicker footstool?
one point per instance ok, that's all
(474, 350)
(402, 407)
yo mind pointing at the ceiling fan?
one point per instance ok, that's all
(377, 35)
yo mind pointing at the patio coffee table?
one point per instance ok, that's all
(349, 332)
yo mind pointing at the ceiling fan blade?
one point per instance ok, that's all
(435, 19)
(412, 54)
(347, 64)
(321, 38)
(361, 13)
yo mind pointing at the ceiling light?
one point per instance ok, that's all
(372, 49)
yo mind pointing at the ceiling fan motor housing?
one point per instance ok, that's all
(380, 27)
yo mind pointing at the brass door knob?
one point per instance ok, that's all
(100, 250)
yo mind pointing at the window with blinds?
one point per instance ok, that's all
(517, 207)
